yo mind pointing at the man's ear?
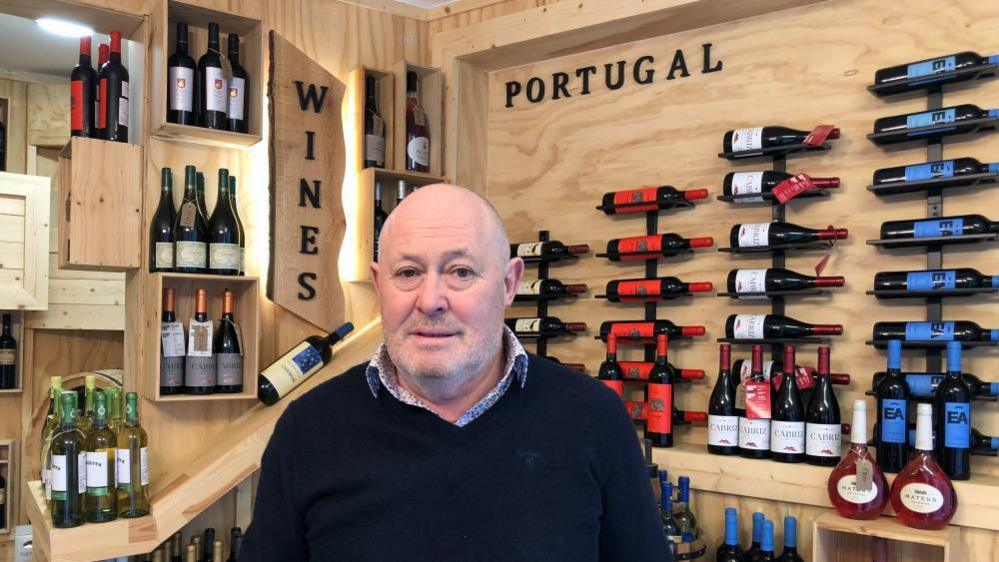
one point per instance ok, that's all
(374, 279)
(511, 278)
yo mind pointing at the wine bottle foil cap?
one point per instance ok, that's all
(954, 357)
(894, 354)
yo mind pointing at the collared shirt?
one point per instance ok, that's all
(381, 373)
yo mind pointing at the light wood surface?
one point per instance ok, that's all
(13, 96)
(48, 114)
(838, 538)
(385, 85)
(24, 256)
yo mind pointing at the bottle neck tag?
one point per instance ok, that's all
(865, 474)
(821, 266)
(820, 133)
(758, 400)
(792, 187)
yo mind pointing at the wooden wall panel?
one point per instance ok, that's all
(467, 12)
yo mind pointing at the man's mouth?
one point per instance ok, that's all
(434, 334)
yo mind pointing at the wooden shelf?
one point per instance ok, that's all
(207, 137)
(838, 538)
(431, 96)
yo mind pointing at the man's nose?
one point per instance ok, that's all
(432, 299)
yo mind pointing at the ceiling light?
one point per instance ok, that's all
(64, 28)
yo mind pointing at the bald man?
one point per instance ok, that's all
(452, 443)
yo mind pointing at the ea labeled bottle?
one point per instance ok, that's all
(953, 405)
(857, 487)
(892, 403)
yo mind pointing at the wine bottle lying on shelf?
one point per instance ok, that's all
(924, 385)
(547, 290)
(639, 411)
(772, 326)
(930, 71)
(298, 364)
(933, 280)
(546, 252)
(775, 279)
(962, 330)
(950, 120)
(639, 371)
(758, 138)
(933, 170)
(935, 228)
(757, 235)
(645, 332)
(652, 290)
(978, 442)
(772, 370)
(651, 247)
(745, 184)
(647, 199)
(543, 327)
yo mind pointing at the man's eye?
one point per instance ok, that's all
(407, 273)
(463, 272)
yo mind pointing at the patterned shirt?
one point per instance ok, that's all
(381, 373)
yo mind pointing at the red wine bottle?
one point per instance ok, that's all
(892, 403)
(114, 94)
(769, 326)
(929, 71)
(866, 498)
(757, 235)
(924, 385)
(543, 327)
(953, 405)
(161, 240)
(823, 431)
(933, 280)
(922, 495)
(790, 553)
(181, 89)
(655, 246)
(730, 551)
(754, 429)
(213, 95)
(757, 138)
(807, 377)
(723, 420)
(610, 371)
(547, 290)
(937, 228)
(639, 371)
(775, 279)
(659, 395)
(83, 94)
(8, 356)
(758, 183)
(380, 217)
(417, 129)
(238, 118)
(374, 128)
(103, 54)
(639, 412)
(964, 330)
(939, 169)
(647, 331)
(787, 418)
(652, 290)
(949, 120)
(172, 362)
(546, 252)
(647, 199)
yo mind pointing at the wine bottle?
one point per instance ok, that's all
(380, 217)
(113, 80)
(770, 326)
(723, 420)
(929, 71)
(652, 290)
(196, 541)
(938, 228)
(823, 434)
(922, 495)
(202, 206)
(52, 421)
(766, 553)
(223, 233)
(857, 487)
(207, 544)
(374, 126)
(655, 246)
(659, 395)
(401, 192)
(217, 551)
(191, 553)
(963, 331)
(115, 410)
(172, 347)
(417, 131)
(83, 93)
(950, 120)
(3, 147)
(228, 350)
(807, 377)
(543, 327)
(757, 536)
(181, 89)
(239, 224)
(199, 366)
(775, 279)
(670, 526)
(933, 280)
(730, 551)
(754, 423)
(86, 414)
(547, 290)
(8, 356)
(69, 468)
(647, 331)
(546, 252)
(161, 242)
(924, 385)
(235, 544)
(758, 138)
(744, 184)
(100, 503)
(684, 516)
(100, 130)
(787, 423)
(610, 371)
(190, 231)
(3, 502)
(892, 403)
(639, 412)
(790, 553)
(953, 405)
(237, 118)
(939, 169)
(647, 199)
(213, 97)
(176, 550)
(298, 364)
(132, 466)
(639, 370)
(758, 235)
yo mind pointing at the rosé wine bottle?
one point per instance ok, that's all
(846, 496)
(922, 494)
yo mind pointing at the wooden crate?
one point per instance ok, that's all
(837, 539)
(247, 316)
(100, 205)
(24, 241)
(166, 15)
(431, 96)
(384, 81)
(17, 331)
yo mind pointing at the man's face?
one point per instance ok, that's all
(444, 283)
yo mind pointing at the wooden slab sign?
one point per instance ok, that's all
(307, 167)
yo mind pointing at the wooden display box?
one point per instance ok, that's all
(24, 242)
(166, 15)
(17, 332)
(7, 490)
(384, 81)
(100, 205)
(837, 539)
(431, 96)
(246, 314)
(364, 213)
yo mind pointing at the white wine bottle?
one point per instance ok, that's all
(69, 469)
(132, 464)
(100, 504)
(298, 364)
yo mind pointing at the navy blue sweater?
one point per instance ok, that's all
(552, 472)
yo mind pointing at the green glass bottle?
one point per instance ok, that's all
(133, 463)
(52, 419)
(115, 418)
(101, 502)
(69, 469)
(87, 412)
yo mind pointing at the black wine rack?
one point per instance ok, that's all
(542, 304)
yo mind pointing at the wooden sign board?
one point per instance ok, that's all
(307, 163)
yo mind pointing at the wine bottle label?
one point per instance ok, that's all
(126, 92)
(640, 244)
(848, 490)
(632, 196)
(374, 149)
(935, 66)
(188, 213)
(758, 399)
(191, 254)
(529, 287)
(747, 139)
(929, 118)
(123, 469)
(242, 259)
(892, 421)
(418, 150)
(8, 357)
(3, 498)
(929, 171)
(923, 385)
(616, 386)
(745, 372)
(921, 498)
(294, 367)
(216, 90)
(223, 256)
(229, 368)
(823, 439)
(754, 434)
(787, 437)
(123, 112)
(172, 371)
(199, 371)
(58, 478)
(164, 255)
(102, 115)
(935, 228)
(172, 339)
(660, 408)
(748, 326)
(957, 425)
(751, 281)
(930, 280)
(723, 431)
(181, 88)
(419, 116)
(923, 331)
(638, 291)
(199, 343)
(754, 235)
(97, 471)
(76, 105)
(237, 98)
(60, 475)
(747, 183)
(527, 325)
